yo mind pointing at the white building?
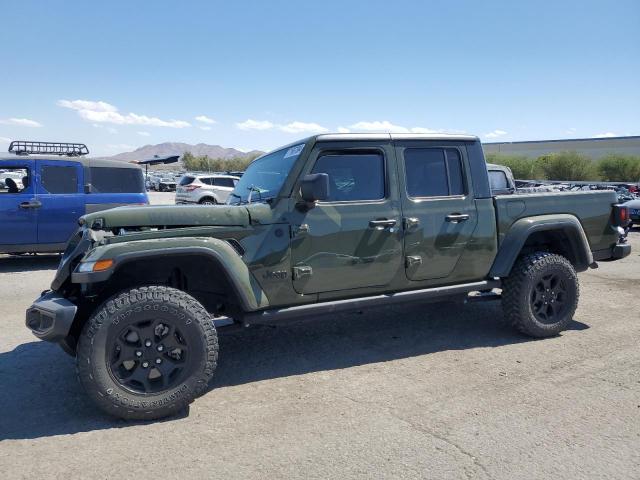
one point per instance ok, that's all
(593, 147)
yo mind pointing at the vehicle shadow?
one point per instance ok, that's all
(40, 395)
(28, 263)
(348, 340)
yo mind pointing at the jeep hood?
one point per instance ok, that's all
(179, 216)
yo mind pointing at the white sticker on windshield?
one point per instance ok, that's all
(293, 151)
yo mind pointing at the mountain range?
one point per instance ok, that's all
(177, 148)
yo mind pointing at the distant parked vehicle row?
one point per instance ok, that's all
(205, 189)
(41, 197)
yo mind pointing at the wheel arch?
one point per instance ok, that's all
(561, 234)
(209, 195)
(210, 270)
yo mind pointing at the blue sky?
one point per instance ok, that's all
(120, 74)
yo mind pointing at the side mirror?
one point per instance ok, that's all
(88, 188)
(315, 187)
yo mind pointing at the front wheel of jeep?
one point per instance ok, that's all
(147, 353)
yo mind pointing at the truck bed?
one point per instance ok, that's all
(593, 210)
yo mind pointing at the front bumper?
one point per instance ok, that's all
(50, 317)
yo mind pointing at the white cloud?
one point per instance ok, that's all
(144, 134)
(606, 135)
(251, 124)
(5, 140)
(571, 130)
(300, 127)
(204, 127)
(379, 126)
(495, 134)
(343, 130)
(21, 122)
(205, 119)
(87, 105)
(386, 126)
(103, 112)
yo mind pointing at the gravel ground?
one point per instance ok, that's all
(444, 391)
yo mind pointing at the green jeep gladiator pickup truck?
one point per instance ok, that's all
(327, 224)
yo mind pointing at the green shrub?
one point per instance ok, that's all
(522, 166)
(617, 167)
(567, 166)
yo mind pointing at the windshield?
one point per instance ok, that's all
(264, 177)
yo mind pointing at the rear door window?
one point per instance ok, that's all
(224, 182)
(433, 172)
(117, 180)
(59, 180)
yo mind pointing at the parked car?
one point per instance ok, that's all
(634, 211)
(206, 189)
(39, 212)
(166, 184)
(331, 223)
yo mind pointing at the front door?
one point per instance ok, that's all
(352, 240)
(18, 204)
(61, 193)
(438, 207)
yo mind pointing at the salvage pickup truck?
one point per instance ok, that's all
(331, 223)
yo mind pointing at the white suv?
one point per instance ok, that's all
(206, 189)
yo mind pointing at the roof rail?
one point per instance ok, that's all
(20, 147)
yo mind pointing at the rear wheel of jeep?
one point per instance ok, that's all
(541, 294)
(147, 353)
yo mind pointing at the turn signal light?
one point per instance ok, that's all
(101, 265)
(97, 266)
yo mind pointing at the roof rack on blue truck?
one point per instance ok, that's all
(21, 147)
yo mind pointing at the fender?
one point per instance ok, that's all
(523, 228)
(251, 295)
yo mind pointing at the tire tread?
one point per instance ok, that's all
(116, 304)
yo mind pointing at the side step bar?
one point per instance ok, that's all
(339, 306)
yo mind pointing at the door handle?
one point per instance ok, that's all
(457, 217)
(382, 224)
(411, 222)
(31, 204)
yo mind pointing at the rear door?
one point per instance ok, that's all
(60, 191)
(438, 209)
(18, 203)
(353, 239)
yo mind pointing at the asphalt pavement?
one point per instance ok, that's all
(443, 391)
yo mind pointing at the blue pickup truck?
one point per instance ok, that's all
(45, 187)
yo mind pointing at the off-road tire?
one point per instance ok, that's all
(171, 306)
(518, 292)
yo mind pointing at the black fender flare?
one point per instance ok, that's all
(511, 246)
(242, 281)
